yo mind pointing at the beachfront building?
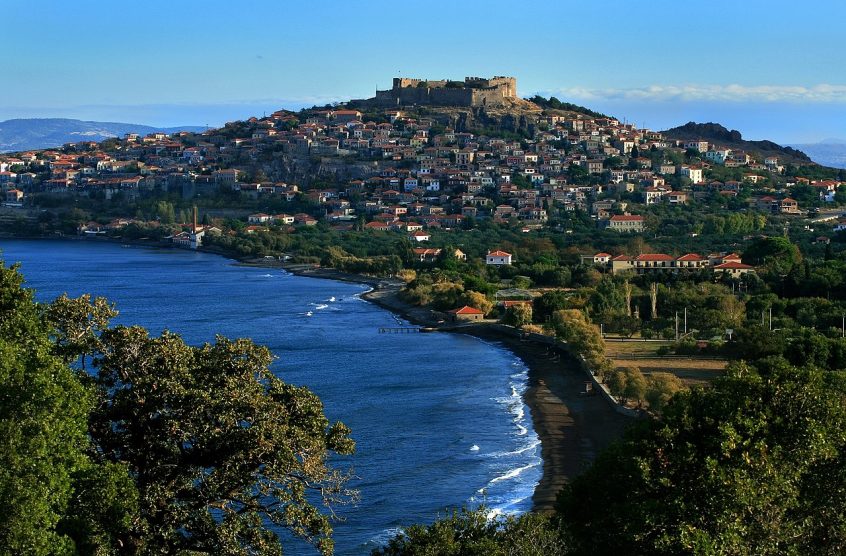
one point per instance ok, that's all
(466, 314)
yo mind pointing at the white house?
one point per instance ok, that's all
(498, 258)
(693, 173)
(419, 236)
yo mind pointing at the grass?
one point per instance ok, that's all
(643, 355)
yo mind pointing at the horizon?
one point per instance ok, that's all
(224, 63)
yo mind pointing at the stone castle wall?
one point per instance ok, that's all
(477, 91)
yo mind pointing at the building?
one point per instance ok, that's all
(648, 263)
(466, 314)
(498, 258)
(693, 173)
(472, 92)
(626, 223)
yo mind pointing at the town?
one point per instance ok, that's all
(406, 169)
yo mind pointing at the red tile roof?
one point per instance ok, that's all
(466, 310)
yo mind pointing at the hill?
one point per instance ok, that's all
(45, 133)
(719, 135)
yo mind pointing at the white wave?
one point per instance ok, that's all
(331, 299)
(474, 448)
(382, 538)
(266, 276)
(511, 474)
(528, 447)
(321, 306)
(521, 430)
(308, 313)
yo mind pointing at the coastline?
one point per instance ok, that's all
(572, 428)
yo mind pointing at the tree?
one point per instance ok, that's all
(753, 465)
(473, 534)
(219, 447)
(776, 254)
(660, 388)
(165, 212)
(479, 301)
(77, 324)
(518, 314)
(51, 491)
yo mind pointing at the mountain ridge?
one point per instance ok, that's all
(20, 134)
(722, 136)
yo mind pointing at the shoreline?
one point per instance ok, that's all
(572, 428)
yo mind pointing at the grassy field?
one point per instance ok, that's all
(691, 370)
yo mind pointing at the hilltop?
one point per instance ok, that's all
(720, 135)
(44, 133)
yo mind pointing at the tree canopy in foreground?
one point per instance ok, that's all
(163, 448)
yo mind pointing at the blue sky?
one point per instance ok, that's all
(772, 69)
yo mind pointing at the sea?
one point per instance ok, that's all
(438, 419)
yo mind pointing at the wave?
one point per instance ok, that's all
(321, 306)
(331, 299)
(474, 448)
(381, 539)
(510, 474)
(528, 447)
(265, 275)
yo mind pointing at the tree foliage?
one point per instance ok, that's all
(753, 465)
(472, 533)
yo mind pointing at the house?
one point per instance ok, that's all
(733, 269)
(788, 206)
(626, 223)
(419, 236)
(599, 258)
(14, 196)
(466, 314)
(426, 255)
(498, 258)
(693, 173)
(676, 197)
(259, 218)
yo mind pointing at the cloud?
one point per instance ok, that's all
(822, 93)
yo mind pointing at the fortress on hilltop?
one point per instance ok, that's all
(472, 92)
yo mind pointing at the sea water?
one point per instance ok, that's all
(438, 419)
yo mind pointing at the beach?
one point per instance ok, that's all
(572, 427)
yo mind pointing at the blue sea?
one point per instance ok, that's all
(438, 419)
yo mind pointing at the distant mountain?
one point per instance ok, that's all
(719, 135)
(44, 133)
(830, 152)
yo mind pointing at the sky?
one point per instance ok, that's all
(772, 69)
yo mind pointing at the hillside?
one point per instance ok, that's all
(44, 133)
(719, 135)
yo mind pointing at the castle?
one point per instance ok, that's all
(473, 92)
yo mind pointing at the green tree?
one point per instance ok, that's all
(775, 254)
(51, 491)
(473, 534)
(165, 212)
(219, 447)
(660, 388)
(518, 314)
(753, 465)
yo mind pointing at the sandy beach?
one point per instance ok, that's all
(572, 427)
